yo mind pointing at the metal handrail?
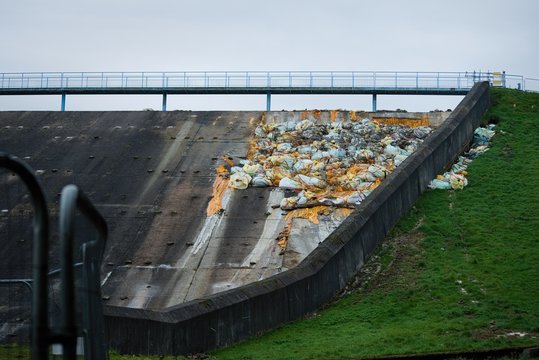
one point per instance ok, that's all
(40, 328)
(247, 79)
(28, 282)
(73, 199)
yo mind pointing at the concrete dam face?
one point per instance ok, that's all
(176, 233)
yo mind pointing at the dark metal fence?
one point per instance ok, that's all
(53, 319)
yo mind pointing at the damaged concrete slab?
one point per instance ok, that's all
(153, 176)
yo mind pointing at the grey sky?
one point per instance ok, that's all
(166, 35)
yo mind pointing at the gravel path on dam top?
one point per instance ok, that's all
(181, 226)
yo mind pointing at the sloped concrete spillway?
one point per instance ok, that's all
(152, 175)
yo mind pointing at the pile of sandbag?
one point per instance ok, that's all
(456, 177)
(335, 163)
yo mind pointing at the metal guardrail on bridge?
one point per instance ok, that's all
(256, 82)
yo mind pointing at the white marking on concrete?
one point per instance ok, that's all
(205, 233)
(203, 238)
(266, 245)
(106, 278)
(151, 267)
(143, 296)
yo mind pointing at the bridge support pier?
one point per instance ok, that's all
(268, 102)
(63, 106)
(164, 104)
(374, 102)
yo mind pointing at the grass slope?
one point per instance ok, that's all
(460, 271)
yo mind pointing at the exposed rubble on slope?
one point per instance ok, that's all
(455, 178)
(336, 163)
(320, 163)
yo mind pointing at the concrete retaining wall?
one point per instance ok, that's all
(229, 317)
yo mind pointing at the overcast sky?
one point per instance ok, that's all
(167, 35)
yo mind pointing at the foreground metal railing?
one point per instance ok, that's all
(91, 326)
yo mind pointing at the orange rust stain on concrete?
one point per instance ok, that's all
(219, 187)
(343, 212)
(252, 149)
(282, 238)
(333, 115)
(228, 160)
(310, 213)
(410, 122)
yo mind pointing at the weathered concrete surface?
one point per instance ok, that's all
(227, 317)
(151, 175)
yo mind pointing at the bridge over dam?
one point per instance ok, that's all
(266, 83)
(179, 273)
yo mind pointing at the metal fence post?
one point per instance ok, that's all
(289, 79)
(40, 329)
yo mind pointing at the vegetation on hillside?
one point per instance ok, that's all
(458, 273)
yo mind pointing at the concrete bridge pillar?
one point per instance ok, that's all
(374, 102)
(63, 106)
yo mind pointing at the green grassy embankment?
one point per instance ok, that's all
(460, 271)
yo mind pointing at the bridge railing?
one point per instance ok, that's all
(255, 79)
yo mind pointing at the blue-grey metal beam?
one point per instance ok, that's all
(63, 106)
(268, 102)
(234, 91)
(374, 102)
(164, 105)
